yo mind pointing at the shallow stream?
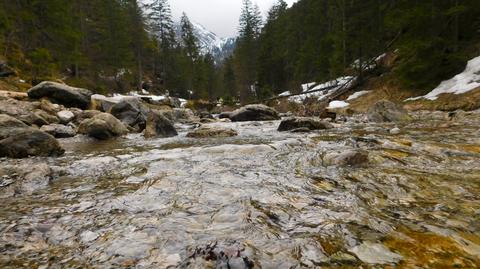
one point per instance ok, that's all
(263, 199)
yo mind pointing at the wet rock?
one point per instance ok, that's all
(41, 117)
(254, 113)
(224, 115)
(159, 126)
(348, 157)
(218, 256)
(27, 141)
(61, 94)
(211, 131)
(374, 253)
(303, 122)
(65, 116)
(386, 111)
(102, 126)
(395, 131)
(24, 178)
(131, 112)
(59, 130)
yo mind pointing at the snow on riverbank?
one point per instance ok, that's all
(337, 104)
(464, 82)
(311, 90)
(356, 95)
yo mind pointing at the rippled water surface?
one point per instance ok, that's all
(263, 199)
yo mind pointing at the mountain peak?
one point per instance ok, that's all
(209, 42)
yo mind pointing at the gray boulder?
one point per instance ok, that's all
(59, 130)
(17, 140)
(254, 113)
(102, 126)
(159, 126)
(386, 111)
(61, 94)
(205, 131)
(295, 123)
(131, 112)
(65, 116)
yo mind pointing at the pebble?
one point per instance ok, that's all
(395, 131)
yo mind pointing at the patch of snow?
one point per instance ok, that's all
(331, 87)
(380, 57)
(337, 104)
(287, 93)
(464, 82)
(356, 95)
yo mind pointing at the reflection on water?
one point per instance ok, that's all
(263, 199)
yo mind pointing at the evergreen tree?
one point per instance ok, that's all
(245, 54)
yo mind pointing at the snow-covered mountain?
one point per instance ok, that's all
(209, 42)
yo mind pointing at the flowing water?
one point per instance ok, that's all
(263, 199)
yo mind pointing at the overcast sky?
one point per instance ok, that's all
(218, 16)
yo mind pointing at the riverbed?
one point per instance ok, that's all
(262, 199)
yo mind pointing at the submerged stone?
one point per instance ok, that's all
(211, 131)
(374, 253)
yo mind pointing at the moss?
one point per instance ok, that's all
(428, 250)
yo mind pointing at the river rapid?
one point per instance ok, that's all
(262, 199)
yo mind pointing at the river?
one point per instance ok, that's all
(262, 199)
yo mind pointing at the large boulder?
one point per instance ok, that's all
(59, 130)
(61, 94)
(294, 123)
(102, 126)
(205, 131)
(386, 111)
(159, 126)
(254, 113)
(17, 140)
(131, 112)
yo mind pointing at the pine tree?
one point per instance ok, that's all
(161, 26)
(245, 54)
(190, 52)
